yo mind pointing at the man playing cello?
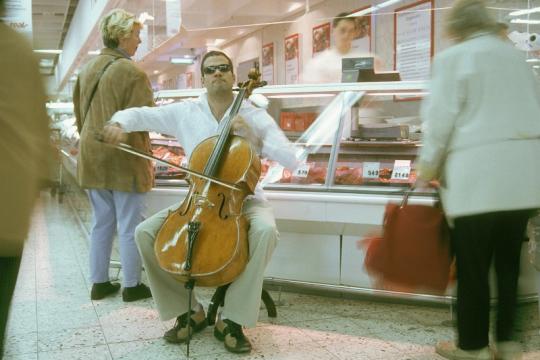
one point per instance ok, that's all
(191, 122)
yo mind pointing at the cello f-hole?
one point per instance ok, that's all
(222, 216)
(188, 206)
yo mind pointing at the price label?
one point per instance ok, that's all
(161, 168)
(370, 170)
(401, 170)
(302, 171)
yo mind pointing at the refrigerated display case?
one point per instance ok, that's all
(358, 143)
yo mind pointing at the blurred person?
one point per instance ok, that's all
(116, 182)
(192, 122)
(481, 118)
(326, 66)
(24, 150)
(362, 36)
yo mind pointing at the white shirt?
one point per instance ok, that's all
(192, 121)
(326, 66)
(482, 128)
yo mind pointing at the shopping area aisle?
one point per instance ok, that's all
(53, 318)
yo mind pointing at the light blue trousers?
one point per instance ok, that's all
(112, 210)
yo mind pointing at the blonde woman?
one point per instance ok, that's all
(116, 182)
(481, 118)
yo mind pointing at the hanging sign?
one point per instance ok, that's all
(414, 40)
(19, 16)
(268, 63)
(292, 59)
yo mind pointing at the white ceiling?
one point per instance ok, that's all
(203, 21)
(50, 22)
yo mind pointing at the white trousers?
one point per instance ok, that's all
(243, 297)
(114, 209)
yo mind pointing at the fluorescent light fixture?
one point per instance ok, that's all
(525, 11)
(294, 6)
(93, 52)
(522, 21)
(374, 8)
(533, 60)
(536, 66)
(48, 51)
(46, 63)
(397, 93)
(287, 96)
(59, 105)
(181, 60)
(145, 16)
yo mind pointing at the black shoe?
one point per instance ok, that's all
(179, 334)
(135, 293)
(101, 290)
(232, 336)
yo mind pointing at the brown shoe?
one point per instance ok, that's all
(179, 333)
(232, 336)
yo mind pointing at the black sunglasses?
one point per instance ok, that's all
(209, 70)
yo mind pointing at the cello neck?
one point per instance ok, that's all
(214, 159)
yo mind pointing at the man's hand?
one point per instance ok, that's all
(114, 134)
(240, 127)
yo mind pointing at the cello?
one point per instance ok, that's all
(205, 239)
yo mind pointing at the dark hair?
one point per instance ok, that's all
(215, 53)
(342, 16)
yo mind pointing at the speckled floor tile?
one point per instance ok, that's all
(70, 338)
(55, 319)
(80, 353)
(335, 329)
(147, 350)
(354, 348)
(29, 356)
(69, 319)
(21, 343)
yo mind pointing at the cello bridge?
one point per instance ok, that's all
(202, 202)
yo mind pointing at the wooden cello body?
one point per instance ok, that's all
(205, 239)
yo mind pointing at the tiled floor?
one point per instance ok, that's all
(53, 318)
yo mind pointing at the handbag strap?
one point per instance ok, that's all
(94, 89)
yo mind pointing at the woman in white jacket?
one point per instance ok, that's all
(482, 141)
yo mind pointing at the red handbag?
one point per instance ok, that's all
(414, 250)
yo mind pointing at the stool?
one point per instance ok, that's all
(218, 299)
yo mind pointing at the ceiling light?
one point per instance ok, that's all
(525, 11)
(522, 21)
(156, 72)
(59, 105)
(294, 6)
(182, 60)
(145, 16)
(46, 62)
(533, 60)
(48, 51)
(374, 8)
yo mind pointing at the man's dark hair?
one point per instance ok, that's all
(340, 17)
(215, 53)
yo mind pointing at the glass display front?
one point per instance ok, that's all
(348, 134)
